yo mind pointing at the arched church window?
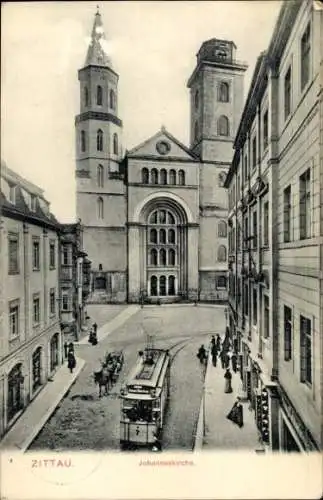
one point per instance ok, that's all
(171, 257)
(153, 286)
(99, 140)
(171, 236)
(162, 285)
(100, 208)
(83, 141)
(86, 96)
(181, 178)
(162, 217)
(196, 130)
(153, 236)
(223, 126)
(170, 218)
(115, 144)
(99, 95)
(162, 236)
(171, 285)
(145, 176)
(222, 253)
(162, 257)
(163, 176)
(100, 176)
(222, 229)
(154, 176)
(172, 177)
(153, 257)
(197, 99)
(223, 92)
(153, 218)
(112, 99)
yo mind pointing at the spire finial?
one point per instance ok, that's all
(98, 9)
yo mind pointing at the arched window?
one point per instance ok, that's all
(99, 95)
(222, 177)
(153, 218)
(145, 176)
(196, 130)
(162, 216)
(99, 140)
(162, 257)
(112, 99)
(222, 229)
(154, 176)
(171, 285)
(153, 236)
(172, 177)
(222, 253)
(223, 126)
(171, 236)
(163, 176)
(223, 92)
(86, 96)
(100, 208)
(162, 236)
(171, 257)
(115, 144)
(83, 141)
(36, 364)
(153, 257)
(181, 178)
(153, 286)
(170, 218)
(162, 285)
(197, 99)
(100, 176)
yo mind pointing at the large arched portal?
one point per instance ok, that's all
(162, 251)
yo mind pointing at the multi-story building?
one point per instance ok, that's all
(30, 334)
(74, 280)
(155, 220)
(275, 234)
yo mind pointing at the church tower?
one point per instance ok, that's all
(100, 196)
(216, 102)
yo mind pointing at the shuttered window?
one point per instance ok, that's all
(306, 349)
(287, 333)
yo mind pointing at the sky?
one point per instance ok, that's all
(153, 48)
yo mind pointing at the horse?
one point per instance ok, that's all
(104, 379)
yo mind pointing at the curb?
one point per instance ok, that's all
(40, 424)
(199, 436)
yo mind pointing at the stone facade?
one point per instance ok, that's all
(275, 226)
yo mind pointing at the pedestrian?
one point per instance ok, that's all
(212, 341)
(218, 342)
(236, 413)
(95, 327)
(214, 353)
(65, 349)
(71, 347)
(201, 354)
(234, 362)
(222, 358)
(227, 384)
(71, 361)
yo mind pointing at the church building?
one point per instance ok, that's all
(155, 217)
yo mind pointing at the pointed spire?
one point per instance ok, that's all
(97, 51)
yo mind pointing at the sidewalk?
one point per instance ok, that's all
(32, 420)
(221, 433)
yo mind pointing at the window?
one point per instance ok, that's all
(154, 176)
(145, 176)
(255, 229)
(223, 126)
(83, 141)
(153, 257)
(112, 99)
(305, 56)
(163, 176)
(36, 255)
(153, 236)
(288, 93)
(306, 349)
(52, 260)
(65, 256)
(222, 253)
(99, 95)
(266, 223)
(14, 318)
(246, 230)
(86, 96)
(181, 178)
(115, 144)
(197, 99)
(265, 129)
(36, 364)
(245, 168)
(221, 282)
(153, 286)
(100, 208)
(171, 236)
(65, 302)
(254, 153)
(287, 214)
(222, 229)
(246, 300)
(13, 254)
(36, 310)
(52, 301)
(266, 317)
(99, 140)
(238, 188)
(12, 194)
(171, 257)
(223, 92)
(287, 333)
(305, 204)
(33, 203)
(196, 131)
(238, 236)
(254, 305)
(100, 174)
(162, 285)
(172, 177)
(162, 236)
(171, 285)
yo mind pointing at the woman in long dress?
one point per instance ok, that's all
(236, 413)
(227, 384)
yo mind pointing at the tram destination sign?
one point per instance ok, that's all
(139, 388)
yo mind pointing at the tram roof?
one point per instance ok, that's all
(145, 374)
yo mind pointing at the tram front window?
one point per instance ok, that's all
(138, 410)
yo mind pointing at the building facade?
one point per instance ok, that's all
(155, 217)
(30, 334)
(275, 235)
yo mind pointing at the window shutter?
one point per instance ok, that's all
(303, 348)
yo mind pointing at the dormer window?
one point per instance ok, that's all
(12, 194)
(33, 201)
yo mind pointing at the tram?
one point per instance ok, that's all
(144, 399)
